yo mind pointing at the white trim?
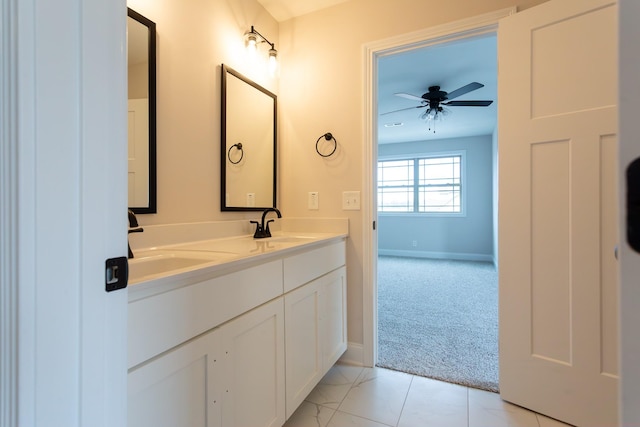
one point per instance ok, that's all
(423, 155)
(470, 27)
(8, 218)
(25, 81)
(457, 256)
(353, 355)
(430, 155)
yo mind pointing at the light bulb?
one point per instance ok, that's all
(273, 61)
(252, 42)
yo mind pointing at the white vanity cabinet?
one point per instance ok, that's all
(253, 368)
(230, 376)
(180, 388)
(241, 347)
(315, 333)
(315, 317)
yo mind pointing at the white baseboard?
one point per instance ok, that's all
(437, 255)
(354, 355)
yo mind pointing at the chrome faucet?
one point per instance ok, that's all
(262, 229)
(133, 228)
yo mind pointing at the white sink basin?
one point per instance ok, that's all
(246, 245)
(156, 262)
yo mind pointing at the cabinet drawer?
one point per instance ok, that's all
(163, 321)
(302, 268)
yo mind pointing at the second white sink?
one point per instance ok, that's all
(155, 262)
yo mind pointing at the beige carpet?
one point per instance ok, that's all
(439, 319)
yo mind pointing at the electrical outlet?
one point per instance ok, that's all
(313, 200)
(414, 243)
(251, 200)
(351, 200)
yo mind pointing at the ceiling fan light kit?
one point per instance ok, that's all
(435, 101)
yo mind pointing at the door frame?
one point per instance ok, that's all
(466, 28)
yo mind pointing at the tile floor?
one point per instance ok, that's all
(375, 397)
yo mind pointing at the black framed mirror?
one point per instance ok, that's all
(248, 143)
(141, 77)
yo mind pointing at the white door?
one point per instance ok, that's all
(65, 66)
(629, 13)
(558, 210)
(138, 131)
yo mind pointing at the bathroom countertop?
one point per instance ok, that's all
(205, 259)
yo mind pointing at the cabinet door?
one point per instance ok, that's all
(179, 388)
(333, 318)
(304, 343)
(253, 378)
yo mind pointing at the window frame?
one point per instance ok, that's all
(416, 186)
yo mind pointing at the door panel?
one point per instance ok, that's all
(558, 213)
(609, 231)
(629, 151)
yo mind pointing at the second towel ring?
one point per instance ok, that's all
(239, 147)
(328, 137)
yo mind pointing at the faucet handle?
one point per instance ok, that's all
(133, 222)
(259, 233)
(267, 232)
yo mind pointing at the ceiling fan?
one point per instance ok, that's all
(435, 100)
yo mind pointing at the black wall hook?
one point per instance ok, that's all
(328, 136)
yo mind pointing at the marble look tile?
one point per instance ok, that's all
(310, 415)
(378, 395)
(341, 419)
(433, 403)
(550, 422)
(486, 409)
(335, 385)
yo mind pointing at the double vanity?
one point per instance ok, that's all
(228, 330)
(229, 324)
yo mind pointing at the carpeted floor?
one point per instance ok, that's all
(439, 319)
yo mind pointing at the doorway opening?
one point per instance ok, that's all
(413, 248)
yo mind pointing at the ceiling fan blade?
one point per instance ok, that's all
(409, 96)
(402, 109)
(468, 103)
(464, 89)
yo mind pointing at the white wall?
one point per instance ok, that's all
(496, 195)
(193, 39)
(449, 237)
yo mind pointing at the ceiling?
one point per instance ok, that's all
(283, 10)
(448, 65)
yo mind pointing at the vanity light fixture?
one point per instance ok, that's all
(253, 38)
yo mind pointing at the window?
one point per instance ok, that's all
(422, 184)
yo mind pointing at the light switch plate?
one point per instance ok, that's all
(351, 200)
(313, 200)
(251, 200)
